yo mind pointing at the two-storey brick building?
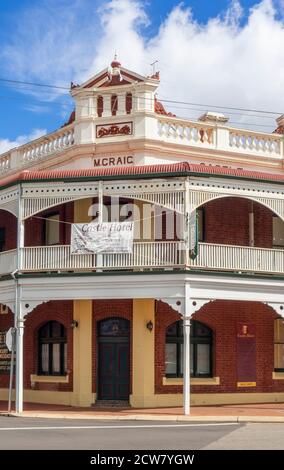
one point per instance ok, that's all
(152, 325)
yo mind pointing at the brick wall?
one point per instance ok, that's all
(61, 311)
(6, 321)
(110, 308)
(9, 222)
(226, 221)
(34, 226)
(222, 317)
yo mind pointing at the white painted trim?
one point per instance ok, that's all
(193, 381)
(168, 287)
(62, 379)
(278, 375)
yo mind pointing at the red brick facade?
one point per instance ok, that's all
(61, 311)
(226, 221)
(222, 317)
(34, 226)
(6, 321)
(9, 222)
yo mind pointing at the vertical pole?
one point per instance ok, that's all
(100, 219)
(186, 352)
(11, 371)
(20, 360)
(186, 233)
(19, 320)
(251, 226)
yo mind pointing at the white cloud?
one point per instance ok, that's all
(232, 60)
(6, 144)
(37, 108)
(52, 41)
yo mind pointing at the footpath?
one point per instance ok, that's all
(261, 412)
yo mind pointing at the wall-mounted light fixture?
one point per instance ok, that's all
(150, 326)
(74, 324)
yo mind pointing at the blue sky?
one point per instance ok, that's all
(224, 52)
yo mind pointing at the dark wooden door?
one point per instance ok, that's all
(113, 374)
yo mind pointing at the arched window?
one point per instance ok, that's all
(114, 326)
(52, 349)
(200, 352)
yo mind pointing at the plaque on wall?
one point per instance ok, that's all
(111, 130)
(246, 355)
(5, 354)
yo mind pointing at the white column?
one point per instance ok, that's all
(107, 105)
(186, 352)
(19, 316)
(121, 104)
(93, 106)
(19, 359)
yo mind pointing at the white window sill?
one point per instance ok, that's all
(278, 375)
(63, 379)
(193, 381)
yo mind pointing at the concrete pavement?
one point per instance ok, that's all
(92, 435)
(262, 413)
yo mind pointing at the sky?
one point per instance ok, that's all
(209, 52)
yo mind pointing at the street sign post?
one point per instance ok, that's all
(10, 343)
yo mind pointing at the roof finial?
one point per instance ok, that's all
(115, 63)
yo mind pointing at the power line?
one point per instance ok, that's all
(70, 103)
(33, 84)
(160, 99)
(189, 118)
(222, 107)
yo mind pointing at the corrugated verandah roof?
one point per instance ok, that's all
(159, 170)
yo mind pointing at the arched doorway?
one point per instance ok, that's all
(113, 359)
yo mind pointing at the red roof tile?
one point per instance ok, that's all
(184, 168)
(160, 109)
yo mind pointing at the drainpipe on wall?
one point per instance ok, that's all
(251, 226)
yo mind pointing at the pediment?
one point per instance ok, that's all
(103, 79)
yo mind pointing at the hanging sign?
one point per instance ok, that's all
(105, 237)
(192, 231)
(5, 354)
(246, 355)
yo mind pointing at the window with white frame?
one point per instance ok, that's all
(201, 350)
(278, 231)
(52, 230)
(279, 345)
(52, 349)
